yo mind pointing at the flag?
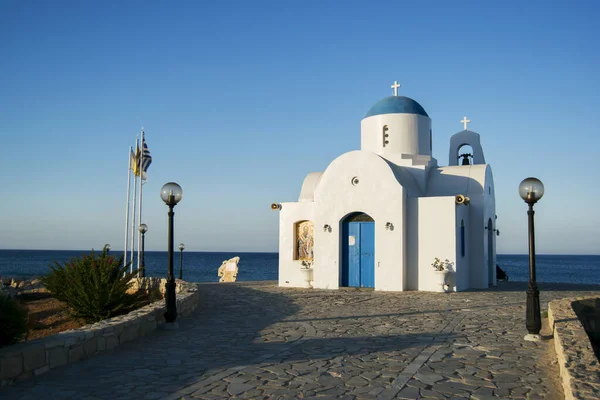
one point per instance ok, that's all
(133, 162)
(147, 158)
(135, 159)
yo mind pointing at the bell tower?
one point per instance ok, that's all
(462, 140)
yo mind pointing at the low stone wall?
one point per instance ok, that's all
(24, 360)
(579, 367)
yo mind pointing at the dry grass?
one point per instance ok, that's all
(48, 315)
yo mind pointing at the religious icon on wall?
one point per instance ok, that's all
(304, 233)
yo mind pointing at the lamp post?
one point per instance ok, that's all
(181, 247)
(531, 190)
(171, 194)
(143, 228)
(106, 248)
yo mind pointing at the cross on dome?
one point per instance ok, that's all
(395, 86)
(465, 121)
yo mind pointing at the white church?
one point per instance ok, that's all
(379, 216)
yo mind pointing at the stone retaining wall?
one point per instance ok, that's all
(579, 367)
(24, 360)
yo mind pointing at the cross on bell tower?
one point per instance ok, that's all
(395, 86)
(465, 121)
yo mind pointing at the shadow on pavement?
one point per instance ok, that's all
(234, 327)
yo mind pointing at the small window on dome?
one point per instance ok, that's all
(386, 135)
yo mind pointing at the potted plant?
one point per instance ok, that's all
(307, 269)
(442, 269)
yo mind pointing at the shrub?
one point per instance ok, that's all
(94, 287)
(13, 321)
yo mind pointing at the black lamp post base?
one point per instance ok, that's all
(533, 321)
(532, 338)
(171, 326)
(170, 301)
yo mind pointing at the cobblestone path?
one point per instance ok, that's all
(258, 341)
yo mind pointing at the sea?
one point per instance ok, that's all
(203, 266)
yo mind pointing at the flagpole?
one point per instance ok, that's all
(134, 204)
(141, 164)
(127, 210)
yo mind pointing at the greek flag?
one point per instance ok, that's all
(146, 157)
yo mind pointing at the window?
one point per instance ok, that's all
(430, 141)
(462, 238)
(386, 135)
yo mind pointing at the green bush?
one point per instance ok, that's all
(13, 321)
(93, 286)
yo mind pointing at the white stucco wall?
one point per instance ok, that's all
(476, 182)
(462, 279)
(290, 270)
(377, 194)
(413, 178)
(412, 243)
(408, 134)
(436, 237)
(489, 211)
(309, 186)
(478, 271)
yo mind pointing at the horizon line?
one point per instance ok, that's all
(276, 252)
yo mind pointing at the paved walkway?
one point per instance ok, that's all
(258, 341)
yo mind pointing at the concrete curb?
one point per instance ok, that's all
(579, 367)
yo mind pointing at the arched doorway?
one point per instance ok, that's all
(358, 251)
(490, 248)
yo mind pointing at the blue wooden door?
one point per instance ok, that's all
(354, 254)
(359, 248)
(367, 254)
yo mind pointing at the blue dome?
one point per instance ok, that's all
(396, 105)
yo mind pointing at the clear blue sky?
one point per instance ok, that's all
(240, 100)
